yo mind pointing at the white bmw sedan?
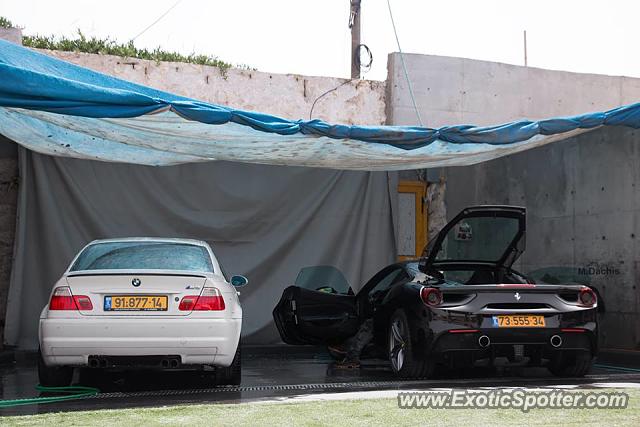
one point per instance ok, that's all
(142, 303)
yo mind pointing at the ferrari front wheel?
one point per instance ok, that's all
(404, 363)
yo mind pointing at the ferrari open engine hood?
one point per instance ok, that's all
(493, 235)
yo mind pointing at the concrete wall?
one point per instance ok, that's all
(286, 95)
(465, 91)
(582, 195)
(14, 35)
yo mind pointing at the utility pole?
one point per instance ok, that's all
(354, 24)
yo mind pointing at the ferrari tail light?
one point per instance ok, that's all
(61, 299)
(586, 297)
(431, 296)
(209, 300)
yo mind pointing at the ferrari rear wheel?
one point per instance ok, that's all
(401, 354)
(571, 364)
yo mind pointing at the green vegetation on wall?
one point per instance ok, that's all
(5, 23)
(84, 44)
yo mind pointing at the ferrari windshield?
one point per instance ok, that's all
(144, 255)
(480, 238)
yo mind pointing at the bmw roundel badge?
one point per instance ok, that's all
(136, 282)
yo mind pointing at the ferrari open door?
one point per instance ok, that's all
(319, 309)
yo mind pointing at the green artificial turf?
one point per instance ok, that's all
(366, 412)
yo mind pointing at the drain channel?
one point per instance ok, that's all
(241, 389)
(423, 384)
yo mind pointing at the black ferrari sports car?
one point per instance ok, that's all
(460, 304)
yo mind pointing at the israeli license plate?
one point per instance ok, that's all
(518, 321)
(136, 303)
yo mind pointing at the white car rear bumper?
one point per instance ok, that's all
(70, 342)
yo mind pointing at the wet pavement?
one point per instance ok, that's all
(275, 373)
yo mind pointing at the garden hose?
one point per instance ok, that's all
(68, 393)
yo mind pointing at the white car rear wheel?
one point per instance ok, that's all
(232, 374)
(53, 376)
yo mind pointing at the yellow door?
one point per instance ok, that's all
(412, 219)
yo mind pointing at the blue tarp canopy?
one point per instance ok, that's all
(58, 108)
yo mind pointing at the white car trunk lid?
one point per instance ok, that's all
(130, 294)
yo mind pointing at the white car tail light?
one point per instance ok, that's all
(83, 302)
(209, 300)
(61, 299)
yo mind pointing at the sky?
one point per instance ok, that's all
(311, 37)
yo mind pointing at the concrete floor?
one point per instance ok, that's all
(277, 373)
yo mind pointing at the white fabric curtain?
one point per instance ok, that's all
(266, 222)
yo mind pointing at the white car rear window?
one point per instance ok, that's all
(144, 256)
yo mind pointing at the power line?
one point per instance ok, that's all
(404, 66)
(157, 20)
(326, 93)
